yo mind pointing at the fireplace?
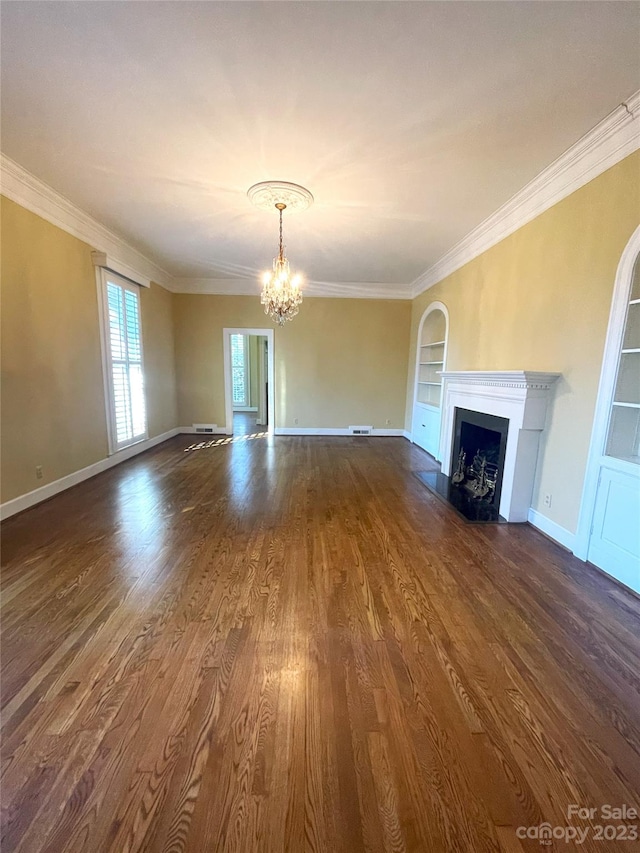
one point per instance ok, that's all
(477, 464)
(519, 397)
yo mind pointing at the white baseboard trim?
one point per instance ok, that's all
(23, 502)
(334, 431)
(552, 530)
(191, 430)
(407, 434)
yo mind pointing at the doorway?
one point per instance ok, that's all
(249, 381)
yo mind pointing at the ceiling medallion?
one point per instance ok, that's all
(267, 194)
(281, 294)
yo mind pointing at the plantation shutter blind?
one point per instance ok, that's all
(239, 370)
(124, 335)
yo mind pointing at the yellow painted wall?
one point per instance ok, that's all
(340, 362)
(53, 409)
(156, 306)
(540, 300)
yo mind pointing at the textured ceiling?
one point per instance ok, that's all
(409, 122)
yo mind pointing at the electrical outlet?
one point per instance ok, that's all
(388, 421)
(39, 474)
(295, 420)
(547, 500)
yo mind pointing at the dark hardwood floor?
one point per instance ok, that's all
(244, 423)
(291, 645)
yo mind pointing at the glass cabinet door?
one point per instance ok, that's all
(623, 437)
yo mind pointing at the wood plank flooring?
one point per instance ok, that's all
(245, 423)
(291, 645)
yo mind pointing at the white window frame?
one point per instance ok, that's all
(103, 277)
(246, 406)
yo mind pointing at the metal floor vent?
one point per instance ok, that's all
(210, 428)
(360, 430)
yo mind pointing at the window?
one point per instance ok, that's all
(123, 345)
(240, 370)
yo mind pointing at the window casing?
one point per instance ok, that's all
(124, 380)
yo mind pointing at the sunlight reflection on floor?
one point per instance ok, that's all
(203, 445)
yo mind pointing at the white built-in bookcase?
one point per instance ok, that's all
(623, 439)
(431, 356)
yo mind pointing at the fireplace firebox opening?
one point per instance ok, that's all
(477, 463)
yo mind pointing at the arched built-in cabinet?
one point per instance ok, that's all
(608, 528)
(431, 356)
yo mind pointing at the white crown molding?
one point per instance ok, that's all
(35, 195)
(217, 286)
(252, 287)
(30, 192)
(613, 139)
(609, 142)
(358, 290)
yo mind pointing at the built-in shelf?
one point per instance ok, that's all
(430, 362)
(623, 434)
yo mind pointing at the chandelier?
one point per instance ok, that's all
(281, 294)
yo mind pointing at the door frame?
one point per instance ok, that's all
(606, 389)
(271, 373)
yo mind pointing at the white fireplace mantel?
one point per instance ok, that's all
(521, 396)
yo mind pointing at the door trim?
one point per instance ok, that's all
(228, 391)
(606, 388)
